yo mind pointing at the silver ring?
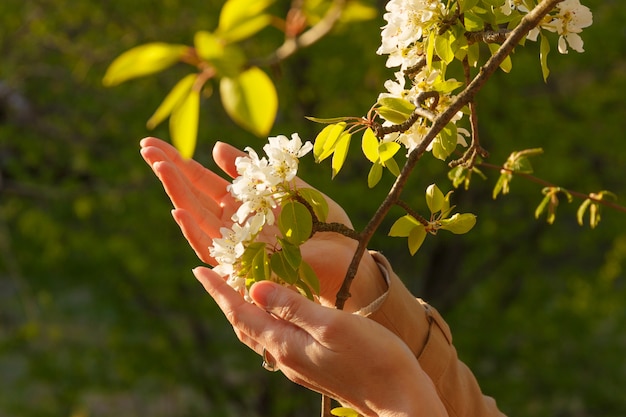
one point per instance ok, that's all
(268, 364)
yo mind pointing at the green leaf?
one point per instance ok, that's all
(395, 110)
(281, 267)
(328, 120)
(507, 64)
(522, 165)
(250, 100)
(392, 166)
(544, 50)
(172, 100)
(416, 238)
(459, 223)
(326, 140)
(434, 198)
(375, 174)
(443, 47)
(260, 268)
(341, 152)
(403, 226)
(502, 185)
(240, 19)
(309, 277)
(473, 22)
(467, 5)
(228, 60)
(445, 143)
(255, 263)
(142, 60)
(542, 206)
(387, 150)
(295, 223)
(184, 124)
(369, 145)
(291, 253)
(317, 201)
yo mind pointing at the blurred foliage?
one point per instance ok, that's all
(100, 316)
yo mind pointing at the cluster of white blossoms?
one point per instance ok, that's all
(569, 20)
(260, 187)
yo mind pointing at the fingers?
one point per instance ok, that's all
(197, 238)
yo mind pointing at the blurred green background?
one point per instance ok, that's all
(99, 312)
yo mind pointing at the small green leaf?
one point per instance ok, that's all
(250, 99)
(184, 124)
(329, 120)
(309, 277)
(395, 110)
(467, 5)
(416, 238)
(443, 47)
(326, 140)
(142, 60)
(369, 145)
(445, 143)
(375, 174)
(403, 226)
(240, 19)
(502, 185)
(317, 201)
(580, 213)
(387, 150)
(260, 267)
(341, 152)
(172, 100)
(544, 50)
(522, 165)
(507, 64)
(434, 198)
(459, 223)
(291, 253)
(473, 22)
(281, 267)
(295, 223)
(393, 167)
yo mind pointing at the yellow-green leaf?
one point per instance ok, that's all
(507, 64)
(142, 60)
(443, 47)
(184, 124)
(309, 277)
(416, 238)
(240, 19)
(544, 50)
(250, 99)
(388, 150)
(403, 226)
(317, 201)
(374, 175)
(369, 145)
(326, 140)
(295, 223)
(459, 223)
(172, 100)
(341, 152)
(434, 198)
(344, 412)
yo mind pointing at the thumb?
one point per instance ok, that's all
(288, 305)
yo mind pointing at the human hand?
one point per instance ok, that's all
(202, 206)
(345, 356)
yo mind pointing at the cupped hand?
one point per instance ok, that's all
(202, 205)
(345, 356)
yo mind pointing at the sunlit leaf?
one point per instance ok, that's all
(328, 120)
(281, 267)
(172, 100)
(184, 124)
(369, 145)
(250, 100)
(445, 143)
(467, 5)
(395, 110)
(374, 175)
(416, 238)
(341, 152)
(344, 412)
(228, 60)
(473, 22)
(295, 222)
(443, 47)
(507, 64)
(142, 60)
(240, 19)
(459, 223)
(502, 186)
(317, 201)
(544, 50)
(434, 198)
(580, 213)
(403, 226)
(392, 166)
(291, 253)
(308, 276)
(326, 140)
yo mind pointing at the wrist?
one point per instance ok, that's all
(369, 285)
